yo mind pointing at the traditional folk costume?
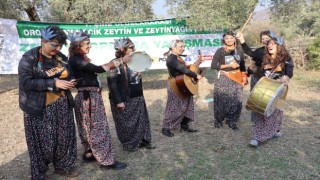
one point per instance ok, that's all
(266, 128)
(257, 72)
(90, 112)
(228, 90)
(179, 110)
(125, 86)
(132, 123)
(48, 115)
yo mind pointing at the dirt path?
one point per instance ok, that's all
(210, 154)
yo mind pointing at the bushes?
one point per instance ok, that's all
(314, 53)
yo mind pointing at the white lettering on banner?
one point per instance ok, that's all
(166, 30)
(164, 22)
(138, 30)
(31, 32)
(117, 31)
(94, 31)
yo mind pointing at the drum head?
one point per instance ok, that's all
(140, 61)
(280, 92)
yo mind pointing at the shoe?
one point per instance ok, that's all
(167, 132)
(131, 150)
(146, 145)
(233, 127)
(186, 128)
(218, 124)
(115, 166)
(86, 158)
(254, 143)
(277, 135)
(317, 136)
(70, 173)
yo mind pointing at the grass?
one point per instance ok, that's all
(209, 154)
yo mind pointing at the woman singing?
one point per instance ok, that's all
(89, 108)
(277, 65)
(228, 87)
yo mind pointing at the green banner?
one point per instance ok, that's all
(28, 29)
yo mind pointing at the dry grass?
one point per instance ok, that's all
(209, 154)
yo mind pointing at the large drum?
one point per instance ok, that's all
(140, 61)
(265, 96)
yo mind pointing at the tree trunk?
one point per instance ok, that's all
(31, 12)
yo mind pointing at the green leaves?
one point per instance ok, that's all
(100, 11)
(297, 17)
(212, 14)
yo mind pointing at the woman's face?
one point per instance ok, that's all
(272, 47)
(51, 48)
(265, 39)
(229, 40)
(85, 46)
(179, 49)
(131, 48)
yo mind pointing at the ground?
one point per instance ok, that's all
(209, 154)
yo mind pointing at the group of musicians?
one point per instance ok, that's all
(46, 77)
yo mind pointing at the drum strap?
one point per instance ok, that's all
(126, 74)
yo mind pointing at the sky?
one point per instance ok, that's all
(161, 11)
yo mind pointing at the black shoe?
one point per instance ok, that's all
(115, 166)
(70, 173)
(186, 128)
(146, 145)
(131, 150)
(167, 132)
(218, 124)
(233, 127)
(86, 158)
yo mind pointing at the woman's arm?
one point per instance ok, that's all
(28, 77)
(113, 78)
(175, 64)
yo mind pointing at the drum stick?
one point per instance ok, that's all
(274, 71)
(245, 24)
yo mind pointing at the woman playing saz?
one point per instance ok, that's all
(179, 111)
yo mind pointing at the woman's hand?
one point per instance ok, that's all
(252, 65)
(245, 81)
(284, 80)
(126, 58)
(234, 65)
(74, 82)
(63, 84)
(240, 37)
(121, 106)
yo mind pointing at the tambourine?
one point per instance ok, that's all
(140, 61)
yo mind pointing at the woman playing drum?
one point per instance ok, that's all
(277, 65)
(127, 102)
(228, 87)
(179, 111)
(89, 108)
